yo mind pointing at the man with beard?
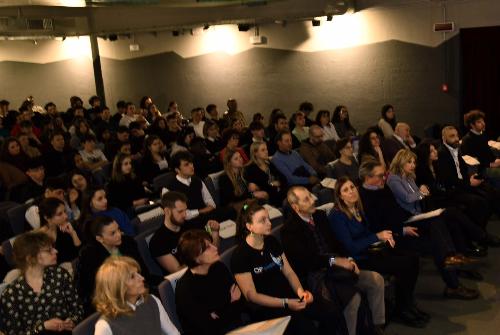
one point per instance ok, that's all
(470, 190)
(163, 244)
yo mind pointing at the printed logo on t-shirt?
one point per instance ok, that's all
(277, 262)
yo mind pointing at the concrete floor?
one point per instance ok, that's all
(477, 317)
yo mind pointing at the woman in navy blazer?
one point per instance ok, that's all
(348, 223)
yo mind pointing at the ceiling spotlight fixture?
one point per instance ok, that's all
(113, 37)
(329, 17)
(244, 26)
(315, 23)
(205, 27)
(175, 33)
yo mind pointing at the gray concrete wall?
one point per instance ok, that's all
(364, 78)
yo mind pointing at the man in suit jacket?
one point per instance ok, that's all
(465, 188)
(401, 139)
(311, 250)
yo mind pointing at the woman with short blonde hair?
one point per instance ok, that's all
(123, 301)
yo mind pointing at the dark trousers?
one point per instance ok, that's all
(327, 313)
(402, 264)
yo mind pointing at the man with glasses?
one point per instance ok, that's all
(315, 152)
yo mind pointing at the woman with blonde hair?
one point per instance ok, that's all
(449, 233)
(124, 303)
(262, 173)
(234, 188)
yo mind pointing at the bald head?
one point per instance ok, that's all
(316, 134)
(301, 200)
(402, 130)
(450, 136)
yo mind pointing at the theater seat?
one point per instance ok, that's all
(17, 220)
(143, 246)
(212, 183)
(167, 296)
(87, 326)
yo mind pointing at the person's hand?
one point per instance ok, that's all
(475, 182)
(305, 295)
(313, 180)
(424, 190)
(386, 236)
(68, 324)
(275, 183)
(73, 195)
(252, 187)
(235, 293)
(296, 305)
(261, 195)
(410, 140)
(140, 202)
(410, 231)
(66, 228)
(496, 163)
(55, 325)
(213, 225)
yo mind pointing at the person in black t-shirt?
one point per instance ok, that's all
(206, 298)
(163, 244)
(267, 280)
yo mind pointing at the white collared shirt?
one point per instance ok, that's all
(102, 326)
(454, 154)
(207, 197)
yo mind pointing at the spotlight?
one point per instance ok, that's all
(175, 33)
(329, 17)
(113, 37)
(315, 23)
(205, 27)
(244, 27)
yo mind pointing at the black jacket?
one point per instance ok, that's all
(446, 171)
(300, 246)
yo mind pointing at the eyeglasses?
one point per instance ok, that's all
(379, 176)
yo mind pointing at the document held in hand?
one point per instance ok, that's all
(469, 160)
(227, 229)
(424, 216)
(329, 183)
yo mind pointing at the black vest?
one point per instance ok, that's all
(145, 320)
(193, 192)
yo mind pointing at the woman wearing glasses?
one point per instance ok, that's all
(42, 300)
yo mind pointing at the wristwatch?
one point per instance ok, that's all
(331, 261)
